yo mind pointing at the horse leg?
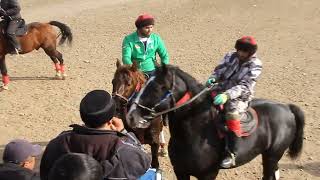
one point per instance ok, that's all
(57, 59)
(181, 176)
(4, 73)
(270, 166)
(60, 58)
(50, 53)
(154, 153)
(210, 176)
(57, 67)
(163, 151)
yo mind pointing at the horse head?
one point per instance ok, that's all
(127, 81)
(160, 93)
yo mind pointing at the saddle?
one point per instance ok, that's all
(21, 30)
(249, 122)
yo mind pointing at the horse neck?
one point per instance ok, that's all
(138, 80)
(194, 119)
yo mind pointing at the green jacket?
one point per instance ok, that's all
(133, 50)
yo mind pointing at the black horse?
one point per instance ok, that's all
(195, 148)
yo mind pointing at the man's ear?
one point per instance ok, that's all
(111, 125)
(24, 164)
(27, 163)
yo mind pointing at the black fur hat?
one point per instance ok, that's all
(97, 108)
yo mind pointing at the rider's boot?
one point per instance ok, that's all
(231, 142)
(14, 42)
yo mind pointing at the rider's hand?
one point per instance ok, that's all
(220, 99)
(210, 81)
(117, 124)
(2, 12)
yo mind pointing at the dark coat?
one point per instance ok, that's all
(10, 171)
(12, 8)
(121, 155)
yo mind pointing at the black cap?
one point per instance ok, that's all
(17, 151)
(97, 108)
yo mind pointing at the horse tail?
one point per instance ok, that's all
(65, 32)
(295, 147)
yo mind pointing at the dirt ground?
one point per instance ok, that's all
(197, 33)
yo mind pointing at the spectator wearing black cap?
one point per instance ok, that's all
(103, 137)
(19, 161)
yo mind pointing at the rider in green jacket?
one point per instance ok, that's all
(142, 46)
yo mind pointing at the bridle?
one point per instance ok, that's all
(185, 100)
(127, 100)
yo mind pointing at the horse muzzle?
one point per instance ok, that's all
(135, 120)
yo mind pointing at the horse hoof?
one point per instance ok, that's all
(64, 76)
(163, 152)
(4, 87)
(58, 77)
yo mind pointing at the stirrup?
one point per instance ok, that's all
(16, 51)
(233, 161)
(233, 157)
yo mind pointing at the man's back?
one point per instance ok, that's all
(102, 145)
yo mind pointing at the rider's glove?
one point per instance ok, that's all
(220, 99)
(210, 81)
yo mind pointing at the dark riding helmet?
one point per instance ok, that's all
(247, 44)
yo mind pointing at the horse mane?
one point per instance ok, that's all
(137, 75)
(192, 84)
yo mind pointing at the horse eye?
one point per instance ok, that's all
(129, 82)
(163, 87)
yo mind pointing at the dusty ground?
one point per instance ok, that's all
(197, 34)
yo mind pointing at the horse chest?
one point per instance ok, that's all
(192, 158)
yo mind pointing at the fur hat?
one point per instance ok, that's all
(97, 108)
(144, 20)
(247, 44)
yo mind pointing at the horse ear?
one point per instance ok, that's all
(164, 69)
(118, 63)
(134, 66)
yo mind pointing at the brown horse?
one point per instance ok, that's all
(38, 35)
(127, 81)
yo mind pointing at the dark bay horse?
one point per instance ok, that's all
(195, 148)
(38, 35)
(127, 81)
